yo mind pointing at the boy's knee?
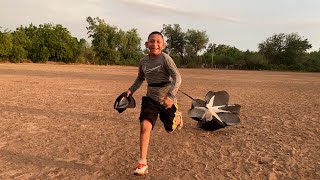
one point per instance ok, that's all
(146, 126)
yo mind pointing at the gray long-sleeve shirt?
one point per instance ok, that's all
(157, 70)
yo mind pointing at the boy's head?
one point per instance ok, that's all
(155, 43)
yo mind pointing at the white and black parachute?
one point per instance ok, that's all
(214, 111)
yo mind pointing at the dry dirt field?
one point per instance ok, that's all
(58, 122)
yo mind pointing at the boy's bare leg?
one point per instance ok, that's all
(145, 131)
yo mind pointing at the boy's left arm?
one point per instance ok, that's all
(176, 79)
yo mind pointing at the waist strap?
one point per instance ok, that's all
(161, 84)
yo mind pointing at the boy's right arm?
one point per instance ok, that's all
(137, 83)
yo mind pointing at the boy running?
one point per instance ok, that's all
(163, 78)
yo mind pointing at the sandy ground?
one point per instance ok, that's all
(58, 122)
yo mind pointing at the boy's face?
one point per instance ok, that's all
(155, 44)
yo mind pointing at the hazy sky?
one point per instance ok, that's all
(239, 23)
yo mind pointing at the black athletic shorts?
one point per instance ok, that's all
(151, 109)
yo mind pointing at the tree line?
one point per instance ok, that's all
(191, 48)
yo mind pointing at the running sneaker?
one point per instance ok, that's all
(179, 114)
(141, 169)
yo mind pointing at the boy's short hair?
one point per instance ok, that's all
(155, 32)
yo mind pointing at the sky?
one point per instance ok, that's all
(239, 23)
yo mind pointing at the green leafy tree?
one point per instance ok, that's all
(255, 60)
(21, 43)
(311, 62)
(129, 46)
(208, 57)
(82, 44)
(295, 48)
(196, 42)
(273, 48)
(50, 42)
(176, 41)
(89, 55)
(227, 55)
(86, 55)
(284, 49)
(6, 44)
(104, 40)
(185, 45)
(227, 50)
(63, 47)
(31, 33)
(113, 45)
